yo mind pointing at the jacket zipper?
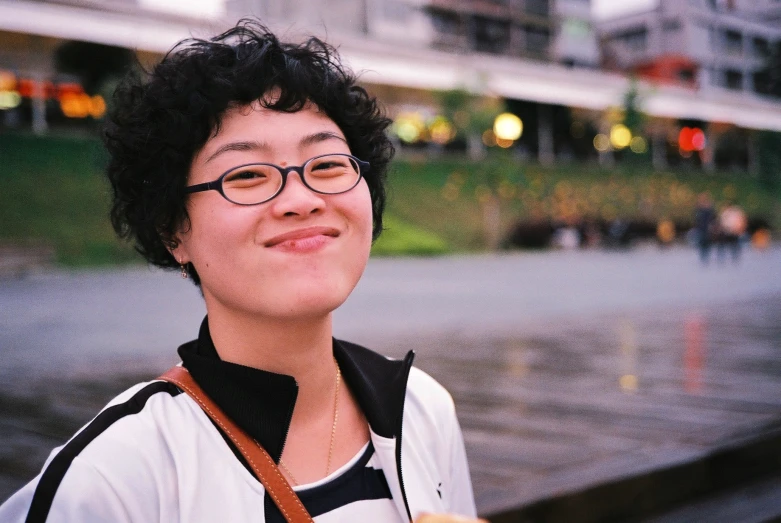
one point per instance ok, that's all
(407, 366)
(287, 430)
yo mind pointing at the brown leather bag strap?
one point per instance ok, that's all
(261, 463)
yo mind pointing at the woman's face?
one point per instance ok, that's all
(298, 255)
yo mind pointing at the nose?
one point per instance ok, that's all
(296, 199)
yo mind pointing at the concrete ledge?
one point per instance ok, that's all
(640, 496)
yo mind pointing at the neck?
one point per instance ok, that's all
(301, 348)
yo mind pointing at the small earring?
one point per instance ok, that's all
(184, 270)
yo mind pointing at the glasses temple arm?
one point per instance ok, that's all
(208, 186)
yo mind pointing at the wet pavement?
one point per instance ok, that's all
(586, 402)
(569, 370)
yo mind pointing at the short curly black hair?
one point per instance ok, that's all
(161, 119)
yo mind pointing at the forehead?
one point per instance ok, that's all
(260, 121)
(270, 130)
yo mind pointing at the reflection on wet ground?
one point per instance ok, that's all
(573, 402)
(579, 402)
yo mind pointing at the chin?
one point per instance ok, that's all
(307, 309)
(312, 301)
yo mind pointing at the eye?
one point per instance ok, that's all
(247, 175)
(322, 166)
(331, 166)
(253, 174)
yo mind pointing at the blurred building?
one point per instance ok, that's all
(547, 30)
(511, 27)
(392, 21)
(575, 41)
(702, 44)
(539, 56)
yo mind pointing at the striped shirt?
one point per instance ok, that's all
(357, 491)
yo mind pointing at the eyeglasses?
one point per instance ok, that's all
(256, 183)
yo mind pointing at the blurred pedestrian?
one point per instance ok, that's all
(256, 169)
(665, 232)
(704, 225)
(732, 227)
(618, 233)
(590, 233)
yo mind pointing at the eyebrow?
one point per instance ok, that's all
(322, 136)
(306, 141)
(237, 146)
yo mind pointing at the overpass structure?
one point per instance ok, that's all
(396, 65)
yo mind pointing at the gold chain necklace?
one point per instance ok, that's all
(333, 431)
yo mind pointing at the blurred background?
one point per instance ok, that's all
(580, 235)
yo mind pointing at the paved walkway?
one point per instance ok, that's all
(584, 402)
(568, 369)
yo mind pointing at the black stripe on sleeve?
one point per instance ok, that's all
(52, 476)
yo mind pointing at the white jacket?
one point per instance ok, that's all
(153, 455)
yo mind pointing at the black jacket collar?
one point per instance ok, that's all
(262, 402)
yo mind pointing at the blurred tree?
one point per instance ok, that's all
(768, 144)
(96, 65)
(636, 121)
(633, 117)
(471, 115)
(497, 180)
(497, 177)
(454, 100)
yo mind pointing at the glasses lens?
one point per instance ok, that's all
(332, 174)
(251, 184)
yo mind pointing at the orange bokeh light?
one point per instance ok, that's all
(691, 139)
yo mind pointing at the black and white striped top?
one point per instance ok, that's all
(357, 491)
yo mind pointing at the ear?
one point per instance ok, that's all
(177, 249)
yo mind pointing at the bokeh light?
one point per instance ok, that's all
(75, 105)
(82, 105)
(97, 107)
(665, 231)
(691, 139)
(638, 145)
(761, 239)
(601, 143)
(9, 96)
(409, 127)
(441, 130)
(620, 136)
(698, 139)
(7, 81)
(507, 126)
(628, 382)
(489, 138)
(9, 99)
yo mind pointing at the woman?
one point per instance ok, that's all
(257, 169)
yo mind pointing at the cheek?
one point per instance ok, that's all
(361, 209)
(215, 231)
(364, 217)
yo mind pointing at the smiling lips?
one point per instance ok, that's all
(303, 240)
